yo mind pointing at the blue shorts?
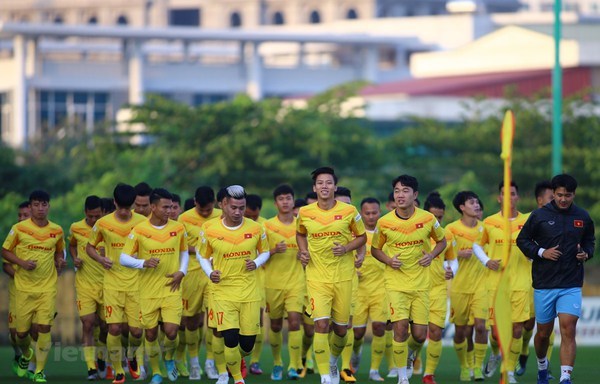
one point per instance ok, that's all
(550, 302)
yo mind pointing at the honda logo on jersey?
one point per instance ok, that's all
(578, 223)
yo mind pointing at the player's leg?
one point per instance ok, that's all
(480, 310)
(568, 307)
(437, 321)
(46, 309)
(459, 315)
(320, 296)
(24, 312)
(114, 304)
(171, 309)
(135, 354)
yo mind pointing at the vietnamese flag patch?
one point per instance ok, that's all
(338, 217)
(578, 223)
(247, 235)
(173, 234)
(419, 225)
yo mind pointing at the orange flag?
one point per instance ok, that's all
(502, 308)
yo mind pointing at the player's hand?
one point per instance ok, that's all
(581, 255)
(250, 265)
(359, 259)
(151, 262)
(77, 262)
(304, 257)
(465, 253)
(448, 274)
(281, 247)
(494, 265)
(29, 265)
(338, 249)
(175, 282)
(60, 264)
(394, 262)
(106, 262)
(425, 261)
(552, 253)
(215, 276)
(359, 273)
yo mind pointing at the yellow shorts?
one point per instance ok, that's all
(233, 315)
(438, 306)
(122, 307)
(34, 307)
(12, 303)
(520, 303)
(168, 309)
(413, 305)
(192, 292)
(466, 307)
(355, 284)
(371, 305)
(531, 304)
(280, 301)
(329, 300)
(90, 300)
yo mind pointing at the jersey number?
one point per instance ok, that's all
(186, 304)
(391, 310)
(219, 318)
(109, 311)
(312, 304)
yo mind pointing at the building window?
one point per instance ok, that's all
(235, 20)
(58, 19)
(315, 17)
(209, 98)
(351, 15)
(93, 20)
(189, 17)
(57, 109)
(278, 18)
(122, 20)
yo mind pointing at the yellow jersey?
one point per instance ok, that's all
(323, 228)
(283, 270)
(408, 238)
(30, 242)
(437, 271)
(470, 275)
(91, 273)
(113, 233)
(192, 221)
(371, 272)
(493, 236)
(166, 244)
(229, 249)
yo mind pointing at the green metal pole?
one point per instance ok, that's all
(557, 137)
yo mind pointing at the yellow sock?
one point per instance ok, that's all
(33, 357)
(170, 347)
(153, 352)
(101, 349)
(377, 350)
(359, 343)
(480, 351)
(233, 360)
(192, 339)
(258, 346)
(434, 352)
(276, 339)
(294, 349)
(414, 346)
(337, 344)
(24, 344)
(96, 334)
(209, 341)
(461, 353)
(494, 344)
(515, 352)
(400, 353)
(348, 348)
(180, 351)
(134, 344)
(526, 339)
(42, 350)
(389, 350)
(125, 341)
(218, 347)
(471, 359)
(89, 354)
(115, 352)
(307, 343)
(322, 351)
(550, 347)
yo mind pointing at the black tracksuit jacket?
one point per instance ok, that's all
(549, 226)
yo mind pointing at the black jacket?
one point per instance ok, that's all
(549, 226)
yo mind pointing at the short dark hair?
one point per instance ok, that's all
(108, 204)
(283, 189)
(462, 197)
(92, 202)
(176, 198)
(565, 181)
(343, 191)
(188, 204)
(417, 202)
(39, 195)
(253, 202)
(541, 187)
(204, 195)
(324, 171)
(407, 181)
(143, 189)
(124, 195)
(311, 195)
(160, 193)
(221, 194)
(24, 204)
(299, 203)
(512, 184)
(434, 200)
(369, 200)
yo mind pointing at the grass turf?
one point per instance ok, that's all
(66, 365)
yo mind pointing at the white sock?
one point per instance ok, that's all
(326, 376)
(565, 372)
(333, 360)
(542, 363)
(194, 361)
(402, 372)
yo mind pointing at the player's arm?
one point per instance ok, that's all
(93, 253)
(494, 265)
(303, 254)
(439, 247)
(585, 249)
(203, 253)
(8, 269)
(262, 248)
(73, 251)
(184, 260)
(354, 244)
(14, 259)
(525, 240)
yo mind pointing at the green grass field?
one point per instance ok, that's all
(65, 366)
